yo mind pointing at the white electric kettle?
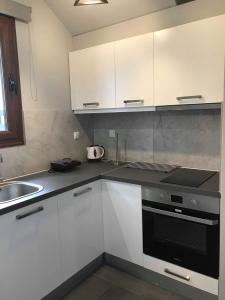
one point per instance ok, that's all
(95, 152)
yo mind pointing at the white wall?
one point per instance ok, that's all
(48, 119)
(192, 11)
(51, 43)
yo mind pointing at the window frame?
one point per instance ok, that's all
(14, 135)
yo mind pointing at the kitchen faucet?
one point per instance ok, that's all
(117, 149)
(116, 161)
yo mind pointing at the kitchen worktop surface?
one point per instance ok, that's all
(56, 183)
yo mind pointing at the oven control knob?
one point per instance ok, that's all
(194, 202)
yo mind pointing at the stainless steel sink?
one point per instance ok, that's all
(14, 190)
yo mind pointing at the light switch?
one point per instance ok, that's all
(112, 133)
(76, 135)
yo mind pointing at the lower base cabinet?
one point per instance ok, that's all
(44, 244)
(191, 278)
(29, 252)
(80, 227)
(122, 211)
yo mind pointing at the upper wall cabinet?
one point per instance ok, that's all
(92, 77)
(134, 71)
(189, 63)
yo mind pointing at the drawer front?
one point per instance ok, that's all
(183, 275)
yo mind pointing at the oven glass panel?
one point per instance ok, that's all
(192, 236)
(185, 243)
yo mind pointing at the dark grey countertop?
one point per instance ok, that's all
(153, 179)
(56, 183)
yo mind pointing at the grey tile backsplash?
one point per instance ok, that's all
(186, 138)
(49, 136)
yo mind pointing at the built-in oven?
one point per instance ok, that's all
(182, 228)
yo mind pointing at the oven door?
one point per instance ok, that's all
(186, 240)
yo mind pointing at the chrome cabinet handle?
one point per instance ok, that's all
(29, 213)
(184, 277)
(189, 97)
(82, 192)
(133, 101)
(180, 216)
(91, 104)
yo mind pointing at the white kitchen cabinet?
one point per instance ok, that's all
(92, 77)
(189, 63)
(49, 247)
(134, 71)
(81, 227)
(122, 211)
(29, 252)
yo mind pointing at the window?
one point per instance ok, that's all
(11, 120)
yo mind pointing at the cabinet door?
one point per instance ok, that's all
(49, 247)
(81, 227)
(189, 63)
(122, 211)
(92, 77)
(29, 256)
(134, 71)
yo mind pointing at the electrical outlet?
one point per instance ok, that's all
(112, 133)
(76, 135)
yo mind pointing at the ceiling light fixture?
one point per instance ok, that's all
(179, 2)
(90, 2)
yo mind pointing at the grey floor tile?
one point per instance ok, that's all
(116, 293)
(111, 284)
(91, 289)
(135, 285)
(176, 297)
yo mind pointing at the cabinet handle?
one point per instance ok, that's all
(189, 97)
(91, 104)
(133, 101)
(12, 84)
(187, 278)
(29, 213)
(82, 192)
(178, 215)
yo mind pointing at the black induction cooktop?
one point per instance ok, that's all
(188, 177)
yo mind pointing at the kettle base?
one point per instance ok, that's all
(94, 160)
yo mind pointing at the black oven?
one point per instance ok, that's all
(182, 229)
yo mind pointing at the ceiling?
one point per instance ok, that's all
(81, 19)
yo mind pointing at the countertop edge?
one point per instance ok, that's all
(163, 186)
(37, 198)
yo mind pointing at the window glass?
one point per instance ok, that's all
(11, 116)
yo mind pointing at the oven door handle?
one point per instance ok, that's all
(180, 216)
